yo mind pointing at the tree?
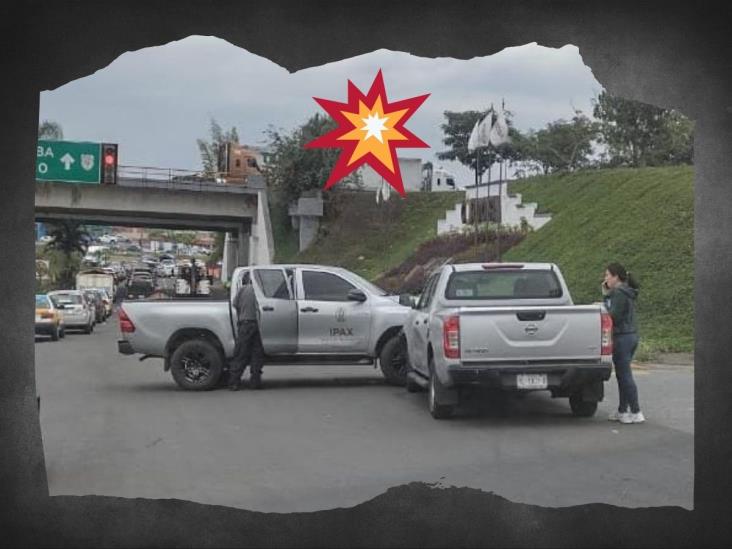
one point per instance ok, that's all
(211, 150)
(51, 130)
(217, 253)
(69, 245)
(293, 169)
(560, 146)
(457, 130)
(187, 238)
(638, 134)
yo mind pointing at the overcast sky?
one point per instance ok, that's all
(156, 102)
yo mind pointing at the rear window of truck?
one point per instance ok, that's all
(503, 284)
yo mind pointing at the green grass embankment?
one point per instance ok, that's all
(365, 237)
(642, 218)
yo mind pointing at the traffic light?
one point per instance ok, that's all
(109, 163)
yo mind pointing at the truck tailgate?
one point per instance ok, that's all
(535, 334)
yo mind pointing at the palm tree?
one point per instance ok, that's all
(70, 241)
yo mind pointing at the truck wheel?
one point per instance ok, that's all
(393, 361)
(582, 408)
(437, 409)
(196, 365)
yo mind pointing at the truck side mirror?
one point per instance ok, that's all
(406, 300)
(357, 295)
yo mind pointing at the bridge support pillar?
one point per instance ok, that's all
(236, 252)
(242, 255)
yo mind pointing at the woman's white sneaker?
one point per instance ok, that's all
(614, 416)
(630, 417)
(625, 417)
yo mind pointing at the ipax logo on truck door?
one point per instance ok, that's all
(68, 161)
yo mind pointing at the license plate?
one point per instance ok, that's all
(532, 381)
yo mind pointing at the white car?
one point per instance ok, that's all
(77, 312)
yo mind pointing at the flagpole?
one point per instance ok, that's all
(500, 196)
(475, 202)
(500, 212)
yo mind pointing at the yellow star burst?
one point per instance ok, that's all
(370, 143)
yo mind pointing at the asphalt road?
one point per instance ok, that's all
(325, 437)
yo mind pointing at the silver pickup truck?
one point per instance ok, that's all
(309, 314)
(510, 327)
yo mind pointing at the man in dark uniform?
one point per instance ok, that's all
(248, 348)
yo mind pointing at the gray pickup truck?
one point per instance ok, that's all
(510, 327)
(309, 314)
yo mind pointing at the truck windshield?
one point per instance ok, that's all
(503, 284)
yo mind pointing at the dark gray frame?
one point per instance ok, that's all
(667, 53)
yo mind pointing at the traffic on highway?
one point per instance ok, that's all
(103, 282)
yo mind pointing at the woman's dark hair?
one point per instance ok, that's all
(616, 269)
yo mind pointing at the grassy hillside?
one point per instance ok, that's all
(366, 237)
(642, 218)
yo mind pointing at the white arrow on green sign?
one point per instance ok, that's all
(68, 161)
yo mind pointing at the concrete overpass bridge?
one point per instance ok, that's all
(240, 210)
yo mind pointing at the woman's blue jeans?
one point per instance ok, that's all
(624, 347)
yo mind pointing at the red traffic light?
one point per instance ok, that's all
(109, 163)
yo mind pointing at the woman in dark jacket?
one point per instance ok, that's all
(620, 291)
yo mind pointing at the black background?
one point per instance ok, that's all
(670, 54)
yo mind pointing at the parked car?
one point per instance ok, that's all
(509, 327)
(77, 312)
(310, 315)
(49, 320)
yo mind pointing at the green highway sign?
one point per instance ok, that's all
(69, 161)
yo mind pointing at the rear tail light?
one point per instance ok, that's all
(451, 336)
(125, 324)
(606, 341)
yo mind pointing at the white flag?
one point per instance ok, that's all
(473, 137)
(383, 193)
(481, 133)
(385, 190)
(499, 131)
(484, 130)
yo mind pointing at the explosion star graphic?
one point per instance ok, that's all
(370, 129)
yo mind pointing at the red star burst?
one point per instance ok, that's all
(369, 131)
